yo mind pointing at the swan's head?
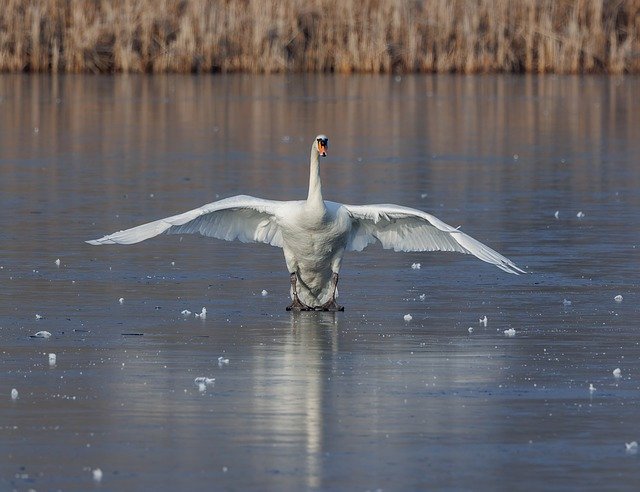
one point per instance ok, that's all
(321, 144)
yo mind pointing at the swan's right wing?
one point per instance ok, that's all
(245, 218)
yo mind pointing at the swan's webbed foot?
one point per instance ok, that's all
(331, 305)
(297, 305)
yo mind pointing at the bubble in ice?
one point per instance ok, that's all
(39, 316)
(57, 262)
(416, 266)
(470, 329)
(618, 298)
(631, 447)
(617, 372)
(408, 317)
(510, 332)
(202, 314)
(592, 388)
(52, 359)
(97, 474)
(185, 312)
(121, 300)
(264, 293)
(222, 361)
(566, 302)
(557, 214)
(580, 214)
(483, 321)
(14, 394)
(42, 334)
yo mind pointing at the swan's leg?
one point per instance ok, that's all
(331, 304)
(296, 305)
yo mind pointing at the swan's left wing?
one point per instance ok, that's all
(407, 229)
(245, 218)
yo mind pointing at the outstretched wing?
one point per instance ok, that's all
(245, 218)
(407, 229)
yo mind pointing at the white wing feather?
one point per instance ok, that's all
(407, 229)
(245, 218)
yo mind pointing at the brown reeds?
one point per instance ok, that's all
(468, 36)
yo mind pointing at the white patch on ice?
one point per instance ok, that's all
(173, 263)
(424, 195)
(202, 382)
(97, 474)
(121, 300)
(57, 262)
(631, 447)
(483, 321)
(202, 314)
(39, 316)
(264, 293)
(580, 214)
(566, 302)
(416, 266)
(222, 361)
(52, 359)
(422, 297)
(185, 312)
(14, 394)
(618, 298)
(557, 214)
(510, 332)
(42, 334)
(617, 372)
(470, 329)
(592, 388)
(408, 317)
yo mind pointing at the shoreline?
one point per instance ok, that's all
(322, 36)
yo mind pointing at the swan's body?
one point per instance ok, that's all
(314, 233)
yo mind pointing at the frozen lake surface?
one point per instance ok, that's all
(360, 400)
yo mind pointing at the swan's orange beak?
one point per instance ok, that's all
(322, 148)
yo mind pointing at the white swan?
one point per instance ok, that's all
(314, 234)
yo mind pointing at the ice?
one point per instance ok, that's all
(631, 447)
(52, 359)
(408, 317)
(566, 302)
(416, 266)
(580, 214)
(202, 382)
(510, 332)
(470, 329)
(57, 262)
(121, 300)
(557, 214)
(97, 474)
(14, 394)
(422, 297)
(39, 316)
(42, 334)
(185, 312)
(264, 293)
(202, 314)
(618, 298)
(592, 388)
(617, 372)
(222, 361)
(483, 321)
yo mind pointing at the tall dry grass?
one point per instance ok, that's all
(469, 36)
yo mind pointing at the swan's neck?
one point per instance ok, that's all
(315, 186)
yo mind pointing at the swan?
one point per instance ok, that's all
(314, 234)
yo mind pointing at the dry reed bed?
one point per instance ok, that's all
(469, 36)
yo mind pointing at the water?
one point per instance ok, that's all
(360, 400)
